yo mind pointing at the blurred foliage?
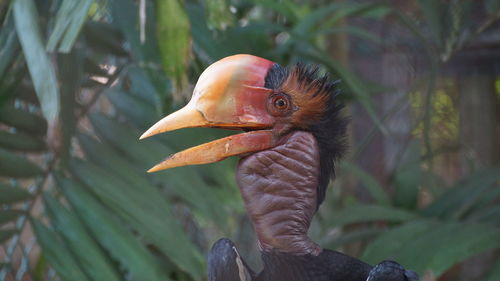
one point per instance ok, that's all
(79, 83)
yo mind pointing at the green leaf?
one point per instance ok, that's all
(22, 120)
(124, 14)
(62, 21)
(40, 68)
(355, 9)
(12, 194)
(12, 165)
(467, 241)
(492, 6)
(111, 234)
(366, 213)
(407, 178)
(427, 245)
(187, 187)
(287, 8)
(142, 86)
(219, 16)
(78, 17)
(6, 234)
(372, 185)
(329, 15)
(313, 19)
(486, 215)
(494, 274)
(144, 208)
(457, 200)
(57, 254)
(68, 22)
(390, 243)
(353, 82)
(353, 236)
(355, 31)
(8, 45)
(433, 12)
(184, 182)
(137, 111)
(90, 257)
(9, 215)
(71, 70)
(21, 142)
(203, 38)
(174, 40)
(104, 37)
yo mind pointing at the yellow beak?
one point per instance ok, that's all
(230, 94)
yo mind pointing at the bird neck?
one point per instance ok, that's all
(279, 189)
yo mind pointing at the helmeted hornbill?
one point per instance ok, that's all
(293, 134)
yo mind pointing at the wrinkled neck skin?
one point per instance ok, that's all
(278, 187)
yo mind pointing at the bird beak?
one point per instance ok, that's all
(229, 94)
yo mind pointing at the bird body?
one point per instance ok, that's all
(293, 135)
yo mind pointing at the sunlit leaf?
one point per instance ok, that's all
(219, 16)
(174, 40)
(41, 70)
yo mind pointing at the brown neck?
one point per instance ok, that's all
(279, 189)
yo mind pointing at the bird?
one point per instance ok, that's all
(293, 133)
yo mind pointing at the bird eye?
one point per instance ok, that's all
(279, 104)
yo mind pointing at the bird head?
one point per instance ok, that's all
(267, 102)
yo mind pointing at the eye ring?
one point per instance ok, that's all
(279, 104)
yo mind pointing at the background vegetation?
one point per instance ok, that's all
(81, 79)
